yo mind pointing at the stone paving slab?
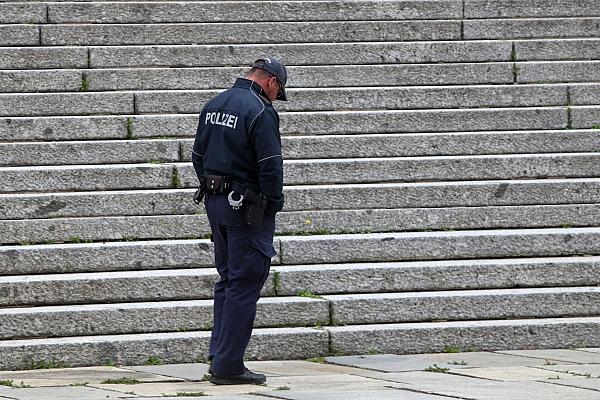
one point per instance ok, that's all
(369, 394)
(79, 376)
(590, 349)
(574, 356)
(63, 393)
(593, 370)
(300, 368)
(592, 384)
(386, 362)
(191, 371)
(511, 374)
(482, 389)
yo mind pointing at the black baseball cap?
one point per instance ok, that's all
(275, 68)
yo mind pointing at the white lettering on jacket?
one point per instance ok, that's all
(216, 118)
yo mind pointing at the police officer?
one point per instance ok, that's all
(237, 157)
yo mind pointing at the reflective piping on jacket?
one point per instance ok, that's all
(266, 158)
(261, 103)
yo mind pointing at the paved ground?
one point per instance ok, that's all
(503, 375)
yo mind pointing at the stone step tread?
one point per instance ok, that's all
(330, 248)
(172, 347)
(532, 28)
(251, 11)
(306, 123)
(250, 33)
(144, 317)
(303, 172)
(311, 197)
(307, 147)
(301, 343)
(59, 230)
(535, 8)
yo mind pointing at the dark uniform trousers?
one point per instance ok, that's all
(243, 259)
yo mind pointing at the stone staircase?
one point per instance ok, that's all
(442, 176)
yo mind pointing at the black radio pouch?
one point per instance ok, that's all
(255, 208)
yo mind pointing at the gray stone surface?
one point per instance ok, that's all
(43, 57)
(568, 355)
(175, 347)
(62, 128)
(174, 284)
(301, 54)
(398, 145)
(585, 370)
(473, 388)
(14, 13)
(88, 152)
(163, 316)
(105, 256)
(437, 275)
(65, 393)
(39, 81)
(588, 94)
(535, 8)
(344, 392)
(258, 32)
(73, 376)
(19, 35)
(30, 104)
(476, 335)
(558, 49)
(111, 203)
(592, 384)
(533, 28)
(361, 122)
(439, 245)
(388, 98)
(570, 71)
(303, 76)
(307, 198)
(252, 11)
(85, 177)
(191, 371)
(465, 305)
(385, 362)
(586, 117)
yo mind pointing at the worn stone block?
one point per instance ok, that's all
(588, 94)
(532, 28)
(571, 71)
(43, 57)
(289, 32)
(557, 49)
(62, 128)
(585, 118)
(39, 81)
(535, 8)
(22, 13)
(19, 35)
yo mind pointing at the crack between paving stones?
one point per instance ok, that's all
(432, 393)
(570, 386)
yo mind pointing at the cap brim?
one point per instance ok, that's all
(282, 95)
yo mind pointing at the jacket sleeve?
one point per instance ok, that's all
(198, 151)
(267, 147)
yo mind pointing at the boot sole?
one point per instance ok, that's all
(221, 381)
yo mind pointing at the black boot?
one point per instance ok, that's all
(248, 377)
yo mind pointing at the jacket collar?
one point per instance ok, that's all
(244, 83)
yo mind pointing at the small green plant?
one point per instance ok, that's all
(308, 293)
(152, 360)
(205, 378)
(282, 388)
(8, 383)
(131, 238)
(121, 381)
(25, 243)
(437, 368)
(176, 179)
(131, 392)
(566, 226)
(548, 362)
(373, 352)
(554, 377)
(76, 239)
(318, 360)
(85, 85)
(109, 363)
(596, 127)
(461, 362)
(276, 282)
(451, 349)
(186, 394)
(79, 384)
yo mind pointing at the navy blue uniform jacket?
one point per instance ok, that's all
(238, 135)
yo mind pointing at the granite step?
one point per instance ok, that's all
(557, 49)
(435, 337)
(380, 308)
(200, 78)
(373, 98)
(307, 172)
(305, 123)
(532, 28)
(19, 35)
(532, 8)
(251, 11)
(308, 147)
(307, 198)
(314, 249)
(301, 343)
(170, 347)
(304, 54)
(61, 230)
(25, 58)
(150, 317)
(451, 275)
(23, 13)
(241, 33)
(54, 80)
(556, 71)
(318, 99)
